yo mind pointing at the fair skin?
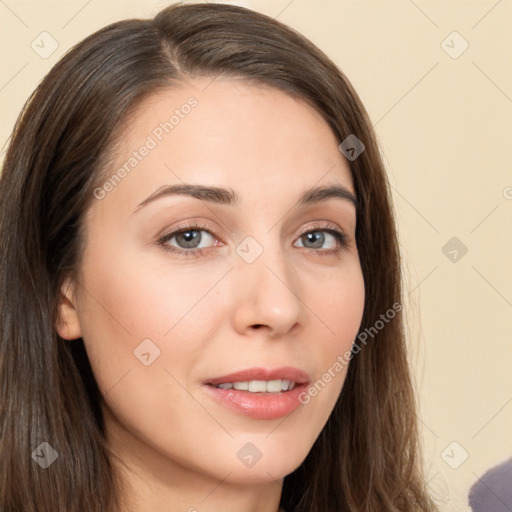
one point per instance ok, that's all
(216, 313)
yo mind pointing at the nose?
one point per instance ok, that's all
(268, 295)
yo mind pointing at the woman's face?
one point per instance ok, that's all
(255, 283)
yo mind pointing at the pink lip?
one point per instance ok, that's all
(263, 406)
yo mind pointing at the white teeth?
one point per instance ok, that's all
(257, 386)
(272, 386)
(260, 386)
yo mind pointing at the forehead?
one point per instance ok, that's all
(255, 139)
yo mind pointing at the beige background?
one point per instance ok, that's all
(445, 128)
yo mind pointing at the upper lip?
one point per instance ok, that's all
(284, 373)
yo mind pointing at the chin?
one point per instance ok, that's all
(262, 473)
(264, 458)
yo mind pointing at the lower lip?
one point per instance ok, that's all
(260, 406)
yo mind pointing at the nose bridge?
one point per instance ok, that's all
(268, 285)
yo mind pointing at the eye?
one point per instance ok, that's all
(188, 240)
(317, 237)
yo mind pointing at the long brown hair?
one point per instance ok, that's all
(367, 457)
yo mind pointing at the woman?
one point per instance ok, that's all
(200, 288)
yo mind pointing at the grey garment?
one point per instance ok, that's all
(493, 491)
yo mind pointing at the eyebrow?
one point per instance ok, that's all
(227, 196)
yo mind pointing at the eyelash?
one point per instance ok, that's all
(340, 237)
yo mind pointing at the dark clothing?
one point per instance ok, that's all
(493, 491)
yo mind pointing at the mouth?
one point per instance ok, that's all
(259, 393)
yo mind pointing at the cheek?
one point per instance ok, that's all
(135, 307)
(144, 331)
(336, 304)
(342, 303)
(339, 305)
